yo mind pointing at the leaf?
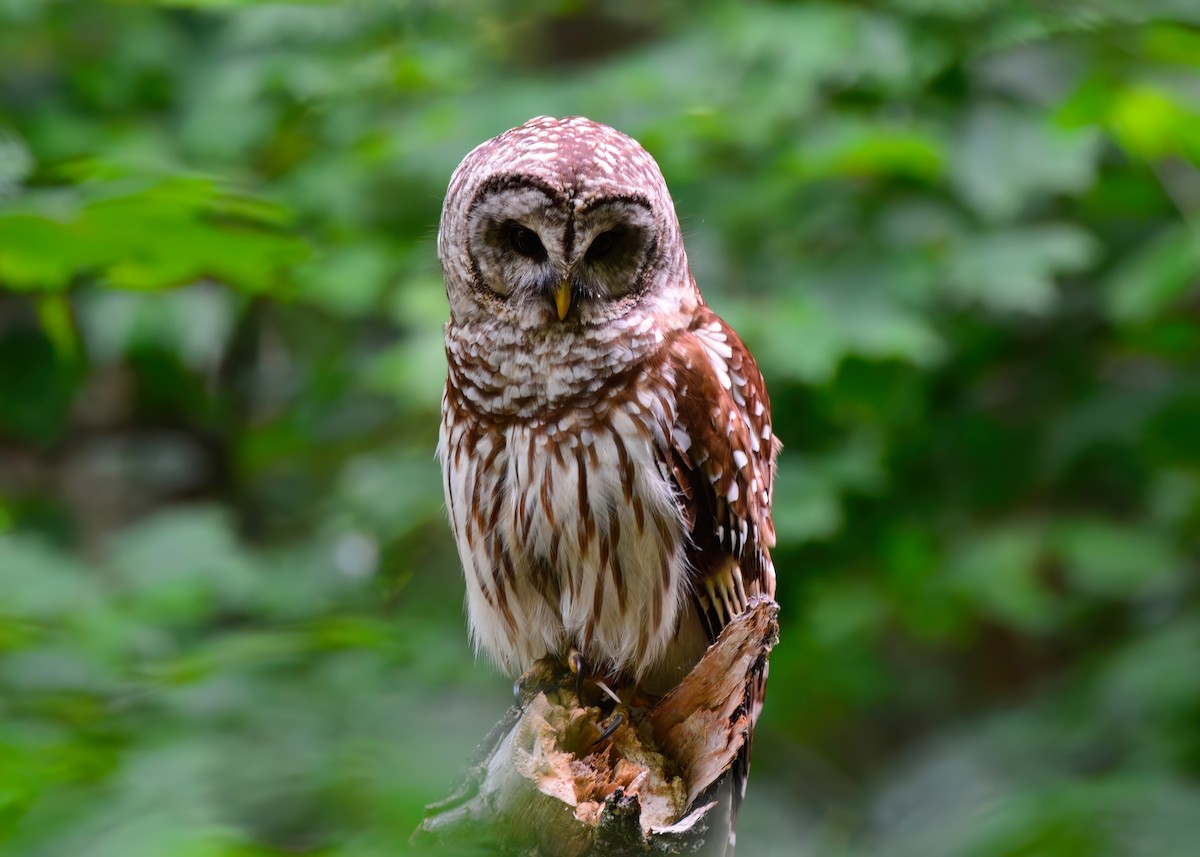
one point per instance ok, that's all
(347, 280)
(845, 614)
(1154, 123)
(1005, 159)
(181, 567)
(811, 489)
(55, 316)
(1015, 270)
(1107, 559)
(40, 253)
(813, 329)
(857, 148)
(145, 234)
(1156, 276)
(999, 571)
(16, 163)
(40, 582)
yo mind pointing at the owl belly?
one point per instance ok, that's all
(571, 535)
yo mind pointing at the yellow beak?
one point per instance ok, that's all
(562, 299)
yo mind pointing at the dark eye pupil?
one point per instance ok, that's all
(526, 242)
(601, 245)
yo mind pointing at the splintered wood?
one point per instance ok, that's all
(557, 748)
(557, 777)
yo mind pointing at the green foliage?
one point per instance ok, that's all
(960, 236)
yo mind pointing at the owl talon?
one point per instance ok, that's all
(576, 665)
(544, 676)
(617, 719)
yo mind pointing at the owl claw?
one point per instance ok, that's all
(543, 676)
(617, 719)
(576, 665)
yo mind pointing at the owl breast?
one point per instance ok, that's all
(569, 526)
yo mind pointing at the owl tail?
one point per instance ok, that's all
(709, 718)
(739, 771)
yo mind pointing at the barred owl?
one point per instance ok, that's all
(606, 439)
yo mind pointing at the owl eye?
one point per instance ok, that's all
(526, 243)
(601, 245)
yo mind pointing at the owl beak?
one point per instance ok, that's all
(562, 299)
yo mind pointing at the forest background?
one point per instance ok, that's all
(961, 237)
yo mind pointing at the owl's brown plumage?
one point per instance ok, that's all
(606, 439)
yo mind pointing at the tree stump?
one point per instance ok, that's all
(557, 777)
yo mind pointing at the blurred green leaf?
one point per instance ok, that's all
(1000, 571)
(16, 163)
(810, 334)
(1156, 276)
(858, 149)
(1104, 559)
(1007, 160)
(1152, 123)
(184, 567)
(160, 234)
(55, 315)
(40, 582)
(1015, 270)
(349, 281)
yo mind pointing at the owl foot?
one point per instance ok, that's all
(545, 676)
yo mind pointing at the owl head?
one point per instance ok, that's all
(559, 226)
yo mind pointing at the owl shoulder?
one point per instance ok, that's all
(723, 441)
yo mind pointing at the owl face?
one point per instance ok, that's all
(559, 225)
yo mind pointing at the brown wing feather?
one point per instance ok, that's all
(723, 460)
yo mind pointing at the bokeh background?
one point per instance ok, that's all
(961, 236)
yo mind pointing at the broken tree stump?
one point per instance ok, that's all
(557, 777)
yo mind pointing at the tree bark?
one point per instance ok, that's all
(557, 777)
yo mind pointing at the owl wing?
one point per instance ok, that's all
(723, 461)
(723, 455)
